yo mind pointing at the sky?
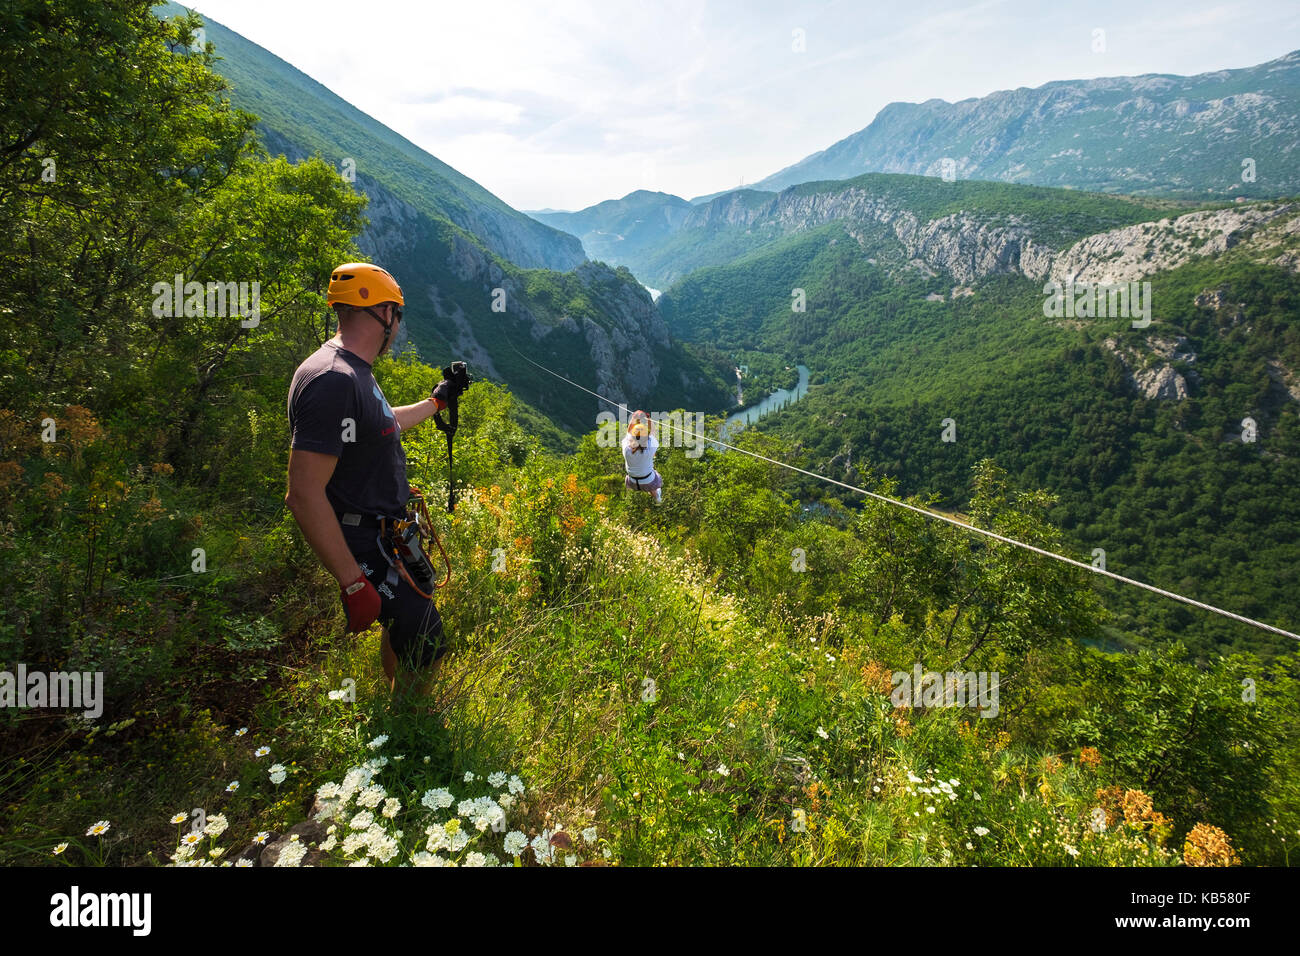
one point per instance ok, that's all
(564, 103)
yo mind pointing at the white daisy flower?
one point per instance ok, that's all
(261, 751)
(179, 818)
(98, 829)
(241, 731)
(232, 786)
(60, 848)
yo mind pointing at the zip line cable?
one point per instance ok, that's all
(942, 517)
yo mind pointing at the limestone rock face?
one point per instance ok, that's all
(969, 247)
(1151, 373)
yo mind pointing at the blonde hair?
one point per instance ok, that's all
(640, 424)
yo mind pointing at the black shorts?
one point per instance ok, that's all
(414, 625)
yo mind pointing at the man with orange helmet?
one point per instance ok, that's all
(347, 471)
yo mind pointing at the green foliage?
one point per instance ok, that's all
(706, 681)
(1053, 405)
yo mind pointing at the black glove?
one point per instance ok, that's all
(455, 380)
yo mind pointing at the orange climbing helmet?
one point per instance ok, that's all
(362, 284)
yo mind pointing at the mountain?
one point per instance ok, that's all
(461, 255)
(1154, 134)
(740, 222)
(617, 229)
(1173, 446)
(299, 116)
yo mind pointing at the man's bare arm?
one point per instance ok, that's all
(408, 416)
(309, 472)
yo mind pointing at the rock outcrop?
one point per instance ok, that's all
(1152, 374)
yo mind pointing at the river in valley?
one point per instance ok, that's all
(778, 399)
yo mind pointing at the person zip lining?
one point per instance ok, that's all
(639, 447)
(347, 486)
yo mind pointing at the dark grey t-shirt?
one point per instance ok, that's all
(336, 408)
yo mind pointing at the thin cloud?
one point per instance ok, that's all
(565, 104)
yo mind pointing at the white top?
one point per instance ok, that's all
(640, 462)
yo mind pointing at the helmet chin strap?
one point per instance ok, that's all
(388, 328)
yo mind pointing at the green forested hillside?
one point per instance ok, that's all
(745, 222)
(615, 229)
(709, 681)
(452, 244)
(300, 116)
(1162, 486)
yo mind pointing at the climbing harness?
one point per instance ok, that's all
(403, 543)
